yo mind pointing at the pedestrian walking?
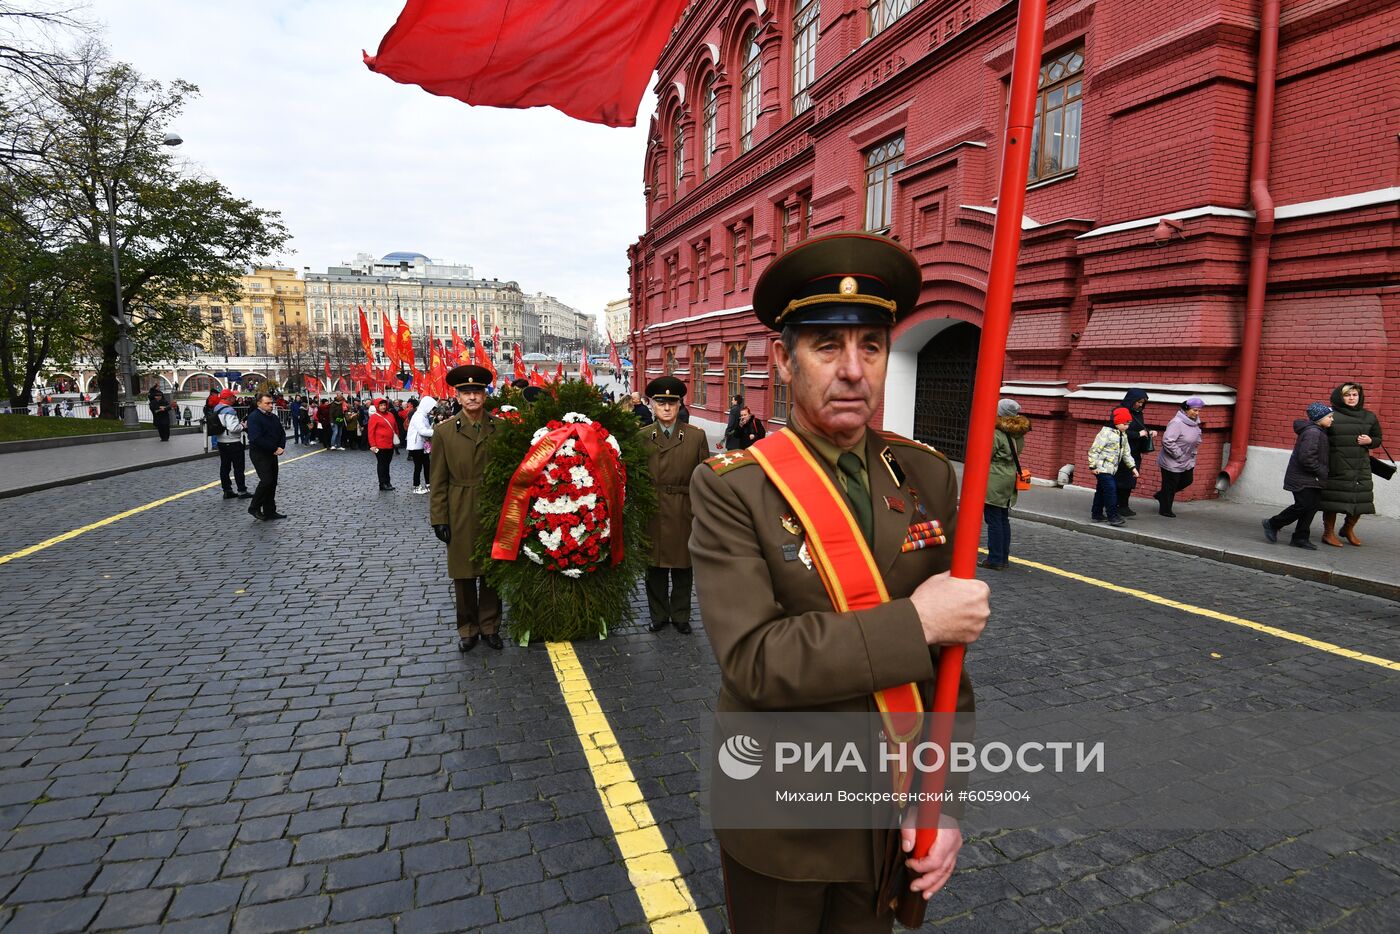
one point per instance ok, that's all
(674, 451)
(1350, 488)
(1008, 441)
(420, 430)
(747, 429)
(212, 428)
(296, 409)
(351, 436)
(1305, 477)
(185, 414)
(267, 440)
(1177, 459)
(1141, 440)
(383, 435)
(335, 413)
(160, 412)
(231, 455)
(1109, 457)
(766, 516)
(458, 464)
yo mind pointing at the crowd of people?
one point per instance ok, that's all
(1331, 469)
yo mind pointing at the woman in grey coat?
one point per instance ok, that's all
(1350, 490)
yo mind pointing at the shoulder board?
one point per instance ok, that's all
(730, 460)
(897, 440)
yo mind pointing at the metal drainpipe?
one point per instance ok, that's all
(1266, 73)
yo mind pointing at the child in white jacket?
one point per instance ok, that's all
(1110, 449)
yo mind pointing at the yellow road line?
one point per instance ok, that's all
(664, 895)
(74, 533)
(1311, 643)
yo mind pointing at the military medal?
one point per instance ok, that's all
(918, 504)
(803, 556)
(894, 504)
(790, 525)
(923, 535)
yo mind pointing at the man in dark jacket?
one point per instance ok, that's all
(267, 439)
(1305, 477)
(160, 412)
(746, 430)
(1140, 441)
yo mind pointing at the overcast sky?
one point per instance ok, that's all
(289, 117)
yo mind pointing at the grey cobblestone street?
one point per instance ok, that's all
(213, 724)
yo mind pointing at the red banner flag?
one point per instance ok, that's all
(585, 372)
(404, 340)
(590, 59)
(613, 357)
(478, 351)
(537, 378)
(559, 372)
(459, 348)
(330, 380)
(365, 341)
(391, 345)
(519, 359)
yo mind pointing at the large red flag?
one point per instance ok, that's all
(590, 59)
(537, 378)
(585, 372)
(330, 380)
(519, 360)
(365, 341)
(613, 357)
(405, 348)
(478, 351)
(559, 372)
(391, 344)
(459, 348)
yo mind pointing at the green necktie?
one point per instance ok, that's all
(858, 495)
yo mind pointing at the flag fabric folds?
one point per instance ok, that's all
(365, 341)
(590, 59)
(585, 372)
(518, 359)
(405, 349)
(330, 380)
(613, 357)
(459, 349)
(391, 344)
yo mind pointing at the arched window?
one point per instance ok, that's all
(677, 154)
(804, 52)
(750, 88)
(707, 145)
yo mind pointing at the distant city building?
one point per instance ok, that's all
(561, 326)
(617, 319)
(426, 294)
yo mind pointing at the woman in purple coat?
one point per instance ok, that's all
(1177, 459)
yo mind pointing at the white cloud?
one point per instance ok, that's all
(289, 117)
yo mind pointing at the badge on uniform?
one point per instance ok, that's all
(790, 525)
(892, 465)
(894, 504)
(789, 552)
(918, 503)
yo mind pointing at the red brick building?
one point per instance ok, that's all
(781, 119)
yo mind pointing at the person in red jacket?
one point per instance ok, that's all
(383, 435)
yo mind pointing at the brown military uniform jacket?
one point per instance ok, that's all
(672, 462)
(781, 646)
(456, 468)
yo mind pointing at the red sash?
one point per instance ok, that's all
(844, 562)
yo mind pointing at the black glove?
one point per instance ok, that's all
(444, 533)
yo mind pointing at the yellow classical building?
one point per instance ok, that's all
(267, 319)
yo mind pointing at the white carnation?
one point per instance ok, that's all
(580, 477)
(576, 418)
(573, 572)
(567, 449)
(535, 438)
(552, 540)
(531, 555)
(612, 443)
(579, 533)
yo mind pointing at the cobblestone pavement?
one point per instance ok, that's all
(212, 724)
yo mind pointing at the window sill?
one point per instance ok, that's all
(1062, 177)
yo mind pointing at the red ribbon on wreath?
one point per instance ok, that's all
(510, 530)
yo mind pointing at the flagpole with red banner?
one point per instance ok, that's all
(996, 324)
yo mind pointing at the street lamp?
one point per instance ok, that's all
(125, 360)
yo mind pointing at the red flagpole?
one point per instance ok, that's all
(996, 323)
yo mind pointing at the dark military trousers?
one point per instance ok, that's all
(760, 904)
(668, 594)
(478, 607)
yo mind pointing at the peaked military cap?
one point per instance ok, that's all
(840, 278)
(469, 377)
(666, 389)
(531, 393)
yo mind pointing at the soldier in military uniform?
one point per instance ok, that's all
(458, 463)
(674, 450)
(779, 641)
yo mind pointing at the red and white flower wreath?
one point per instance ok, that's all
(568, 528)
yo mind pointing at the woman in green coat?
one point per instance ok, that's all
(1349, 491)
(1007, 442)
